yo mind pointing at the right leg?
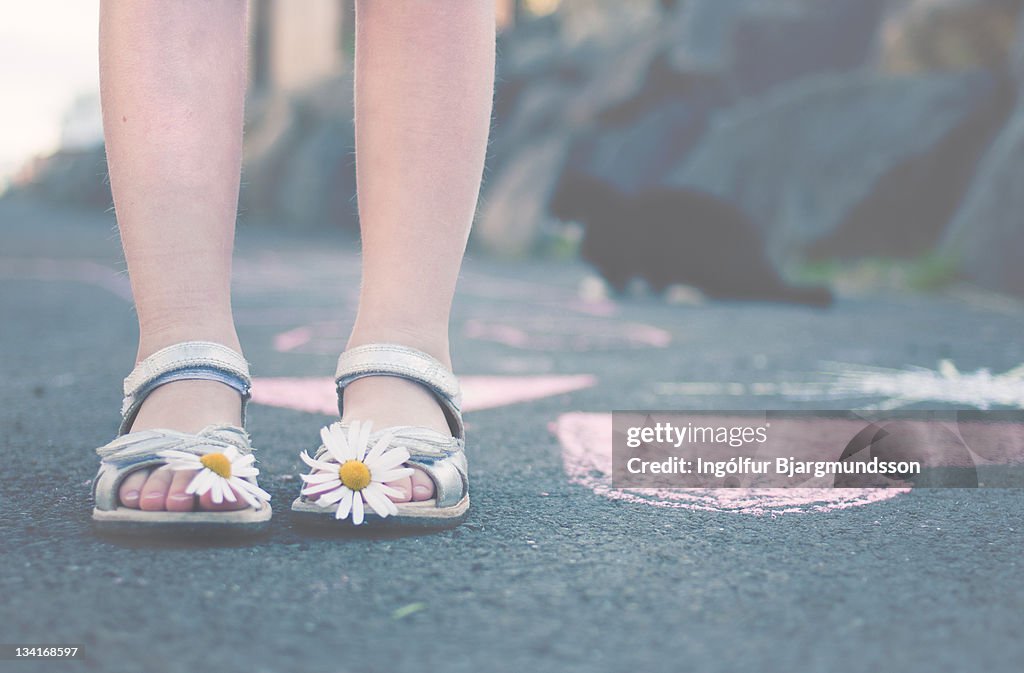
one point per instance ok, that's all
(172, 76)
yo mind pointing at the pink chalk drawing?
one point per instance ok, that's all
(85, 272)
(292, 339)
(326, 337)
(586, 440)
(558, 296)
(567, 333)
(316, 395)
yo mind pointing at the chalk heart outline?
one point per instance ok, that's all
(318, 395)
(586, 441)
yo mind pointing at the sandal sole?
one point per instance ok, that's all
(416, 515)
(124, 520)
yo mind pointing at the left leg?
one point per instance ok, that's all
(424, 83)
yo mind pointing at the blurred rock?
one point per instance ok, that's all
(587, 20)
(802, 160)
(781, 41)
(987, 237)
(640, 151)
(71, 176)
(948, 35)
(704, 32)
(299, 167)
(513, 212)
(756, 45)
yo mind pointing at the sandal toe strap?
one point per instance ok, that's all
(442, 458)
(449, 476)
(138, 450)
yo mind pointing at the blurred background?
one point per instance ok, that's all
(869, 142)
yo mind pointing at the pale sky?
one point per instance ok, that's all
(47, 59)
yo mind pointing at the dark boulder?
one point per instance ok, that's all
(804, 160)
(756, 45)
(779, 42)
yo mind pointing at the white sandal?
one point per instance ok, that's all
(222, 454)
(353, 462)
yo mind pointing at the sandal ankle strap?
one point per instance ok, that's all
(406, 363)
(189, 360)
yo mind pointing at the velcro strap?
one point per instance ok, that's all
(146, 444)
(196, 355)
(396, 360)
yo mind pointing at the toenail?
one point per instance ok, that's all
(420, 491)
(181, 497)
(154, 495)
(131, 495)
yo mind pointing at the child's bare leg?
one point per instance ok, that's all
(424, 83)
(173, 82)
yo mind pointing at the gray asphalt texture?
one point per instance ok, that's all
(545, 575)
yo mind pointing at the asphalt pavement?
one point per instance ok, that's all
(550, 573)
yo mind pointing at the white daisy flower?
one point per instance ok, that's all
(222, 474)
(351, 473)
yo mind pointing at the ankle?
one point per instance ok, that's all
(189, 406)
(150, 341)
(433, 342)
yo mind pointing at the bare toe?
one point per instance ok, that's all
(422, 486)
(177, 499)
(206, 502)
(154, 492)
(131, 488)
(403, 485)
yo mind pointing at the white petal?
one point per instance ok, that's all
(337, 444)
(244, 472)
(249, 491)
(178, 455)
(252, 489)
(321, 488)
(393, 475)
(364, 440)
(253, 502)
(200, 483)
(247, 459)
(376, 499)
(332, 496)
(391, 492)
(178, 466)
(231, 453)
(392, 458)
(319, 477)
(379, 448)
(353, 434)
(345, 506)
(318, 464)
(330, 436)
(357, 508)
(229, 493)
(215, 490)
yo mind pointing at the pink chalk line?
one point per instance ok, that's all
(316, 395)
(586, 440)
(71, 270)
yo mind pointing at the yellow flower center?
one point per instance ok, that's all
(217, 463)
(354, 474)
